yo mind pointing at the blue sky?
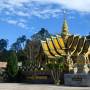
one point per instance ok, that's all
(26, 17)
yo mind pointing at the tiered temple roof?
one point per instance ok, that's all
(58, 45)
(55, 46)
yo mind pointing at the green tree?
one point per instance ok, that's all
(3, 44)
(12, 65)
(19, 44)
(88, 36)
(41, 35)
(22, 41)
(16, 47)
(3, 49)
(56, 66)
(19, 48)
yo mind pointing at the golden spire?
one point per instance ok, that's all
(65, 31)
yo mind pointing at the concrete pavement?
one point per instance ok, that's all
(21, 86)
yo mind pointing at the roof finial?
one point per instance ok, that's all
(64, 13)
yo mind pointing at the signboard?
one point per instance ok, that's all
(37, 77)
(77, 78)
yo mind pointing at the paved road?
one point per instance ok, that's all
(16, 86)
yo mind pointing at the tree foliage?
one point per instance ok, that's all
(3, 49)
(88, 36)
(19, 47)
(12, 64)
(3, 44)
(19, 44)
(41, 35)
(56, 66)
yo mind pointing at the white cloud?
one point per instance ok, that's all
(20, 13)
(14, 22)
(78, 5)
(20, 23)
(40, 8)
(12, 5)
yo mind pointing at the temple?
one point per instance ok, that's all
(55, 52)
(66, 45)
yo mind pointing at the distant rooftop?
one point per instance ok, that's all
(3, 65)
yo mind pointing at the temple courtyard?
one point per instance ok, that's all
(21, 86)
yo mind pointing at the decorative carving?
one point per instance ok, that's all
(82, 65)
